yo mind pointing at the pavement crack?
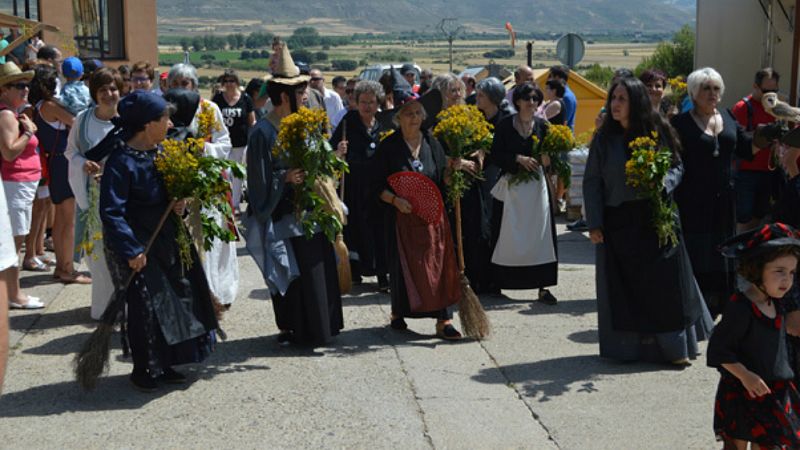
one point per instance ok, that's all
(413, 389)
(520, 396)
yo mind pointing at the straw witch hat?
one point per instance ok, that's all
(9, 73)
(286, 72)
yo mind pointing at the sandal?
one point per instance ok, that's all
(74, 277)
(35, 265)
(46, 260)
(447, 332)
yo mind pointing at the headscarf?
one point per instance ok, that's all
(135, 110)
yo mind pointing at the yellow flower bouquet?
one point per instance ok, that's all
(303, 144)
(557, 140)
(645, 171)
(678, 90)
(188, 174)
(465, 131)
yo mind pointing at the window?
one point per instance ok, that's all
(28, 9)
(99, 28)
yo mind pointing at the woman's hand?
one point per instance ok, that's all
(480, 156)
(465, 165)
(91, 167)
(295, 176)
(27, 123)
(596, 236)
(180, 207)
(138, 262)
(341, 149)
(755, 386)
(528, 163)
(402, 205)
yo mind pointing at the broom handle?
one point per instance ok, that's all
(459, 238)
(344, 138)
(153, 237)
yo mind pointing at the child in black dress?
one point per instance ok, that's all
(757, 401)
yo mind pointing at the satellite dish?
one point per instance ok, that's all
(570, 49)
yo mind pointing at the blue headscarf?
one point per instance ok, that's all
(135, 110)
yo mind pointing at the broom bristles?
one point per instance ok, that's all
(473, 318)
(92, 360)
(343, 265)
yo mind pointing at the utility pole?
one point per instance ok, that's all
(450, 29)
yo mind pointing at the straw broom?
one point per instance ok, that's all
(92, 360)
(342, 253)
(473, 318)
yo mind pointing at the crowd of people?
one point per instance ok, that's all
(79, 140)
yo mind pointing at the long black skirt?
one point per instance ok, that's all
(651, 288)
(312, 306)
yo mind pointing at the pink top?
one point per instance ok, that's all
(27, 166)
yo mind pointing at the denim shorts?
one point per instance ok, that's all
(753, 190)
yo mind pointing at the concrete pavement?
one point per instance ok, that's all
(537, 383)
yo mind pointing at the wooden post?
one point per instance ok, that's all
(795, 54)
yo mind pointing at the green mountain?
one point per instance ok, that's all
(582, 16)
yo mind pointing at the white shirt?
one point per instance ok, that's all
(333, 104)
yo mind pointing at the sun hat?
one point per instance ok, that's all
(9, 73)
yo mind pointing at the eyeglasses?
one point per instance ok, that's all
(19, 86)
(140, 79)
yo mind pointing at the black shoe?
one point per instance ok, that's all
(448, 332)
(171, 376)
(398, 324)
(143, 382)
(547, 298)
(284, 338)
(578, 225)
(383, 283)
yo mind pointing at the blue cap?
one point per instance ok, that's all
(72, 67)
(139, 108)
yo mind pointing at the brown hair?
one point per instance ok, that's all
(144, 66)
(102, 77)
(752, 268)
(767, 72)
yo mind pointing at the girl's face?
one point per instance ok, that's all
(454, 94)
(156, 131)
(778, 276)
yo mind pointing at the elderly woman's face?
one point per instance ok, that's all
(410, 117)
(108, 95)
(182, 82)
(708, 96)
(655, 89)
(367, 105)
(482, 101)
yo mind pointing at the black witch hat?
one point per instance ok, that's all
(755, 241)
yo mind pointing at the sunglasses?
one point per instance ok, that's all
(529, 98)
(317, 79)
(769, 91)
(20, 86)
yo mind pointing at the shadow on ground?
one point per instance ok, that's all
(554, 377)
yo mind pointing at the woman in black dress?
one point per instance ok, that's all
(528, 261)
(418, 253)
(364, 230)
(648, 303)
(709, 138)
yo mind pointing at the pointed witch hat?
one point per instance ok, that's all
(285, 71)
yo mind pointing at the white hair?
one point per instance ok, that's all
(699, 77)
(182, 70)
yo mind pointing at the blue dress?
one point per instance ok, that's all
(171, 318)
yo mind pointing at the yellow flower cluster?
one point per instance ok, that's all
(645, 171)
(92, 229)
(677, 87)
(464, 129)
(207, 122)
(298, 128)
(559, 139)
(177, 165)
